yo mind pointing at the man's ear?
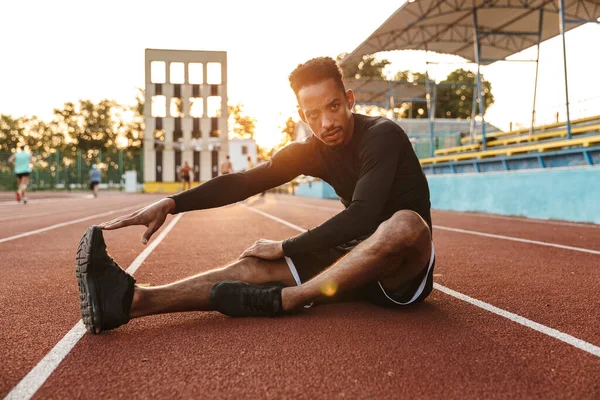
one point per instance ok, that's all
(349, 99)
(301, 114)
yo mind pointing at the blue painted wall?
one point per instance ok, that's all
(571, 194)
(318, 189)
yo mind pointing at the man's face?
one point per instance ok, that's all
(328, 112)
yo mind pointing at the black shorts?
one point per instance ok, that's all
(306, 266)
(22, 174)
(186, 178)
(93, 185)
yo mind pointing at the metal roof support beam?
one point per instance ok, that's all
(492, 60)
(477, 47)
(507, 33)
(561, 5)
(537, 66)
(429, 113)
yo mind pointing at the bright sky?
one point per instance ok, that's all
(59, 51)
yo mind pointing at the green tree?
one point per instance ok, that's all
(130, 124)
(242, 125)
(410, 76)
(367, 67)
(455, 95)
(11, 132)
(90, 126)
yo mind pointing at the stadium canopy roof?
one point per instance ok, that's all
(504, 27)
(379, 91)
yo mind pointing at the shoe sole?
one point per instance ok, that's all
(84, 271)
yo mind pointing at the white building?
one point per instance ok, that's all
(185, 115)
(239, 150)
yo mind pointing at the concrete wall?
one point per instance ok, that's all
(318, 189)
(571, 194)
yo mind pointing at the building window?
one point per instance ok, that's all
(196, 132)
(195, 73)
(159, 106)
(176, 108)
(213, 106)
(213, 73)
(177, 132)
(196, 107)
(214, 128)
(158, 72)
(244, 150)
(176, 72)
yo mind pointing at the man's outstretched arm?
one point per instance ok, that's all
(220, 191)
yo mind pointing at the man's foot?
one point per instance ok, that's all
(105, 290)
(240, 299)
(24, 199)
(18, 196)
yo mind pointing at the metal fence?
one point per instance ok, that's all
(70, 170)
(422, 142)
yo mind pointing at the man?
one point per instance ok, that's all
(378, 249)
(95, 178)
(22, 163)
(184, 176)
(226, 167)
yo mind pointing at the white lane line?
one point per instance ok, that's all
(477, 233)
(490, 235)
(563, 337)
(37, 201)
(30, 384)
(19, 217)
(287, 203)
(75, 221)
(274, 218)
(523, 219)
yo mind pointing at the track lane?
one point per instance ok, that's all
(39, 295)
(443, 348)
(68, 210)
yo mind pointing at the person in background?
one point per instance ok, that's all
(95, 178)
(184, 176)
(226, 167)
(22, 162)
(251, 164)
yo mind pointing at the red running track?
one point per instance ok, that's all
(443, 348)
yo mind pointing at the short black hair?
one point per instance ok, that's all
(22, 147)
(315, 71)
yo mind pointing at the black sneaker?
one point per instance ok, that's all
(106, 291)
(240, 299)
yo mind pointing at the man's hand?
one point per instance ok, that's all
(265, 249)
(152, 216)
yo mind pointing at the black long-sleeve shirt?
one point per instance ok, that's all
(375, 175)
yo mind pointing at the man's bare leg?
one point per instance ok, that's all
(192, 294)
(393, 255)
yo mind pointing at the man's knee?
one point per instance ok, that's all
(405, 230)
